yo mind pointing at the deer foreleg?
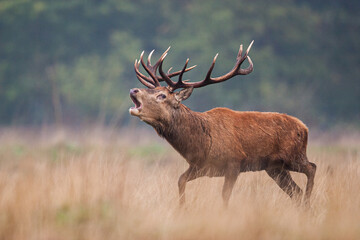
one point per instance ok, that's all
(188, 175)
(230, 179)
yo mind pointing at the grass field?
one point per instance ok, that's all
(103, 185)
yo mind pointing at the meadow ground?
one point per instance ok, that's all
(97, 184)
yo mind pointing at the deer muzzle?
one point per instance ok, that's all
(135, 111)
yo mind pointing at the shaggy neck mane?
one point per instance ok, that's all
(185, 130)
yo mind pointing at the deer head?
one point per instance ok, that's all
(157, 102)
(153, 105)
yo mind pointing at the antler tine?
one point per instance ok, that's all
(168, 72)
(248, 69)
(165, 77)
(150, 70)
(158, 61)
(182, 72)
(170, 75)
(240, 52)
(138, 73)
(148, 79)
(139, 76)
(180, 83)
(164, 54)
(208, 75)
(149, 58)
(178, 72)
(249, 47)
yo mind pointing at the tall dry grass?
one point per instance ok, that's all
(101, 185)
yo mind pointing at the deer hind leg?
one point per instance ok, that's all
(309, 169)
(188, 175)
(283, 178)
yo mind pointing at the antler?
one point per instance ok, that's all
(208, 79)
(154, 81)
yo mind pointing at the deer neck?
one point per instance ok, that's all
(187, 131)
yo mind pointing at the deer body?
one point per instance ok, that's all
(223, 142)
(251, 141)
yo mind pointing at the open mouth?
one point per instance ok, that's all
(137, 108)
(136, 102)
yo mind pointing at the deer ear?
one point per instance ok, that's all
(183, 94)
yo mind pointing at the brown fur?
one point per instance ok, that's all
(223, 142)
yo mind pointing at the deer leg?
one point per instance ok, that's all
(283, 178)
(188, 175)
(230, 179)
(309, 169)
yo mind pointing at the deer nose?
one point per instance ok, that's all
(134, 91)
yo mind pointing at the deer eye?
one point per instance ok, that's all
(161, 96)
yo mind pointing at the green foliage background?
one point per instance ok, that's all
(71, 62)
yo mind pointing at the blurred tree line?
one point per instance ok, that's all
(71, 62)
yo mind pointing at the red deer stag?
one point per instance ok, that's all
(222, 142)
